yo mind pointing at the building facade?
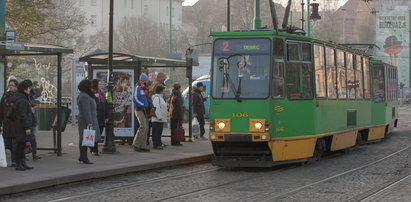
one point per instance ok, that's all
(97, 12)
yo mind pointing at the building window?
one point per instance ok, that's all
(81, 3)
(93, 2)
(93, 20)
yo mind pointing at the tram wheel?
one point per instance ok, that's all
(319, 149)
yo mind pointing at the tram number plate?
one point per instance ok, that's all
(238, 138)
(239, 115)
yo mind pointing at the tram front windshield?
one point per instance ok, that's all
(241, 68)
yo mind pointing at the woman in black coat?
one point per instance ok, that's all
(176, 112)
(101, 110)
(24, 121)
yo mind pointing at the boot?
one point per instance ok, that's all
(23, 163)
(19, 166)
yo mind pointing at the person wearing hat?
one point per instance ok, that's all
(198, 107)
(140, 100)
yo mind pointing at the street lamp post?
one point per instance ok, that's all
(109, 146)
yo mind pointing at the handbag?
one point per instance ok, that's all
(89, 136)
(28, 148)
(179, 133)
(3, 159)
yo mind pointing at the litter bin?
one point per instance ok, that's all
(64, 117)
(45, 114)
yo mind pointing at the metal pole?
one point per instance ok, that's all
(291, 18)
(257, 17)
(170, 39)
(2, 19)
(228, 16)
(109, 146)
(308, 19)
(59, 75)
(302, 14)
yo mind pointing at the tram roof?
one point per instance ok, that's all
(31, 49)
(101, 57)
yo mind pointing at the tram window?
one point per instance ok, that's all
(278, 49)
(278, 80)
(350, 76)
(293, 51)
(299, 80)
(366, 68)
(331, 73)
(306, 50)
(341, 75)
(319, 71)
(358, 77)
(378, 83)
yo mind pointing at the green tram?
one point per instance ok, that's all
(279, 98)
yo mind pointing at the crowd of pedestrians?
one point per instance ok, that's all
(152, 107)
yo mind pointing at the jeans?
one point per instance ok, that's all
(157, 132)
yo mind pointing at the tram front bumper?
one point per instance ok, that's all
(239, 137)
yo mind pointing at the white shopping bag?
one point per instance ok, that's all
(195, 128)
(3, 159)
(89, 136)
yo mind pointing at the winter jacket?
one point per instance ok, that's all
(198, 102)
(87, 114)
(140, 98)
(176, 110)
(101, 110)
(25, 118)
(6, 124)
(161, 108)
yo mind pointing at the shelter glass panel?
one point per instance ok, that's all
(319, 71)
(331, 73)
(359, 77)
(341, 75)
(350, 75)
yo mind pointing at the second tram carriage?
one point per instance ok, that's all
(277, 98)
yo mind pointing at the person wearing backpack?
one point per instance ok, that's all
(24, 121)
(6, 123)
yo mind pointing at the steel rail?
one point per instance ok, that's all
(374, 195)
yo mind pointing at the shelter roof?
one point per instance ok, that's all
(100, 57)
(32, 49)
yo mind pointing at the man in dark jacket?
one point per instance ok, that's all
(7, 124)
(24, 121)
(33, 139)
(198, 107)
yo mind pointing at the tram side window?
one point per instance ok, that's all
(358, 77)
(319, 71)
(366, 68)
(350, 76)
(278, 52)
(341, 75)
(331, 73)
(299, 71)
(378, 83)
(278, 79)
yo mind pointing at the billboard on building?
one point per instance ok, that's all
(392, 36)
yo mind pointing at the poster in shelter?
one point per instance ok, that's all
(122, 100)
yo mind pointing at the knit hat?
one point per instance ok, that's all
(199, 84)
(143, 77)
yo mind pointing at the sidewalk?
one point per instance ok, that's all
(51, 170)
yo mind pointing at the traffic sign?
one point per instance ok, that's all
(10, 35)
(12, 45)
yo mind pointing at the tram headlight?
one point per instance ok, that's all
(258, 125)
(212, 137)
(221, 125)
(263, 137)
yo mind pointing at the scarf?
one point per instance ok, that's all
(143, 85)
(100, 97)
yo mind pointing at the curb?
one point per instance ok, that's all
(104, 172)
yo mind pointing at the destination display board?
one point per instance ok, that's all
(242, 46)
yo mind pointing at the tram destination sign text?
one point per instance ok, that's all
(242, 46)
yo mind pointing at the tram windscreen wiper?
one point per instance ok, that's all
(224, 65)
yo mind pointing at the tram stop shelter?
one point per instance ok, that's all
(43, 65)
(126, 71)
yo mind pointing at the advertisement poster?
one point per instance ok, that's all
(122, 100)
(393, 39)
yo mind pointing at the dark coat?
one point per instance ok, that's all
(7, 124)
(198, 102)
(87, 114)
(176, 110)
(25, 118)
(101, 112)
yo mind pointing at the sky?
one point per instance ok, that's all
(283, 2)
